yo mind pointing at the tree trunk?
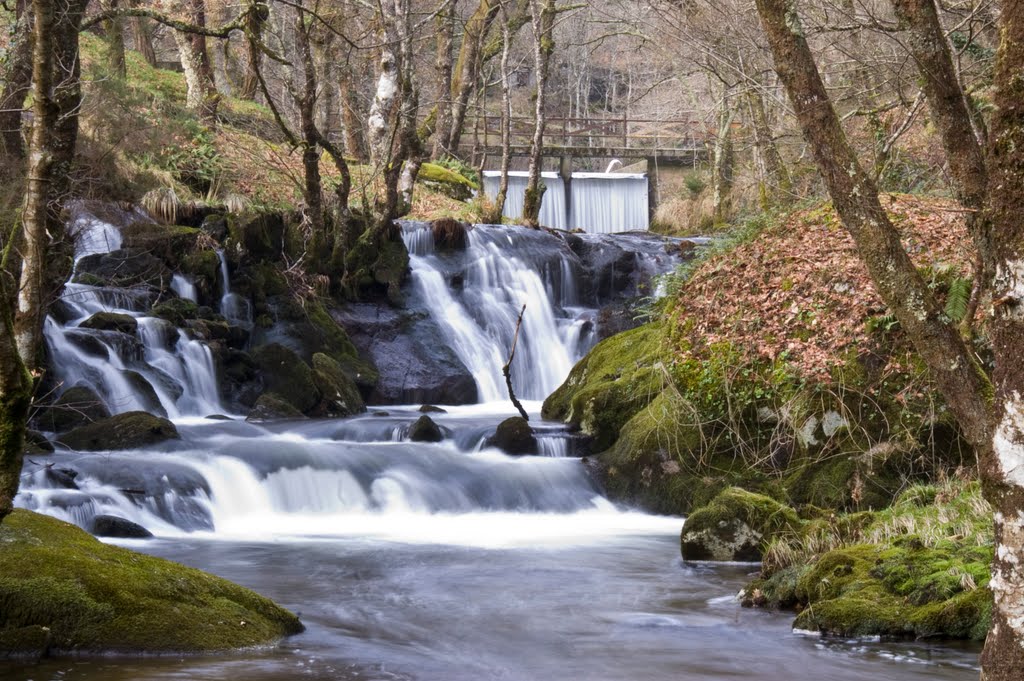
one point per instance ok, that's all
(543, 19)
(201, 95)
(773, 176)
(17, 80)
(313, 185)
(18, 337)
(114, 30)
(722, 170)
(1003, 473)
(506, 118)
(855, 197)
(352, 116)
(250, 81)
(467, 69)
(443, 67)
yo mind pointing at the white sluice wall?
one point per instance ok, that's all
(601, 203)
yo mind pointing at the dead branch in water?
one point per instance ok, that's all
(507, 369)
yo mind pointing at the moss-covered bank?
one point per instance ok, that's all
(94, 598)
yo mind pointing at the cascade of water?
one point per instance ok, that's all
(184, 288)
(501, 274)
(158, 368)
(235, 309)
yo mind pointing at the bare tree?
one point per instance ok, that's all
(991, 414)
(542, 13)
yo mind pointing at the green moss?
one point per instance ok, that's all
(176, 310)
(338, 390)
(617, 379)
(431, 172)
(129, 430)
(99, 598)
(167, 242)
(286, 375)
(736, 525)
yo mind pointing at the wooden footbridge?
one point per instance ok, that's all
(678, 142)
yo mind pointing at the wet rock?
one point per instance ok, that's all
(36, 443)
(449, 234)
(176, 310)
(425, 430)
(414, 367)
(339, 393)
(238, 376)
(514, 436)
(145, 391)
(131, 430)
(261, 236)
(286, 375)
(216, 226)
(88, 342)
(63, 478)
(111, 321)
(271, 407)
(124, 267)
(112, 526)
(735, 526)
(167, 242)
(431, 409)
(77, 406)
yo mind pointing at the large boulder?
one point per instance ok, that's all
(111, 321)
(63, 590)
(238, 376)
(167, 242)
(735, 526)
(514, 436)
(339, 393)
(113, 526)
(78, 406)
(287, 376)
(124, 267)
(131, 430)
(414, 367)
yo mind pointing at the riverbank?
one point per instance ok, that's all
(774, 368)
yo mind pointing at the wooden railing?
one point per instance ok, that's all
(645, 135)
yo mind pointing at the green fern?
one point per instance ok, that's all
(958, 299)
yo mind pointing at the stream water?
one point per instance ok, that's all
(444, 562)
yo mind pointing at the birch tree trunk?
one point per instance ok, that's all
(467, 69)
(542, 14)
(774, 177)
(443, 68)
(352, 117)
(201, 94)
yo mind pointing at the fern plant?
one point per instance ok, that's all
(958, 299)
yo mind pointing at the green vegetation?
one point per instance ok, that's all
(98, 598)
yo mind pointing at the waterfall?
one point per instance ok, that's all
(502, 270)
(599, 203)
(235, 309)
(158, 368)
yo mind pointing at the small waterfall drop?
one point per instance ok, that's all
(235, 309)
(156, 367)
(501, 271)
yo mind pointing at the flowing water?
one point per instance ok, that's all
(446, 561)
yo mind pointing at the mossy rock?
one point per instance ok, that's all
(167, 242)
(376, 265)
(111, 321)
(287, 376)
(96, 598)
(272, 407)
(898, 592)
(616, 379)
(131, 430)
(77, 406)
(260, 237)
(735, 526)
(176, 310)
(339, 393)
(146, 393)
